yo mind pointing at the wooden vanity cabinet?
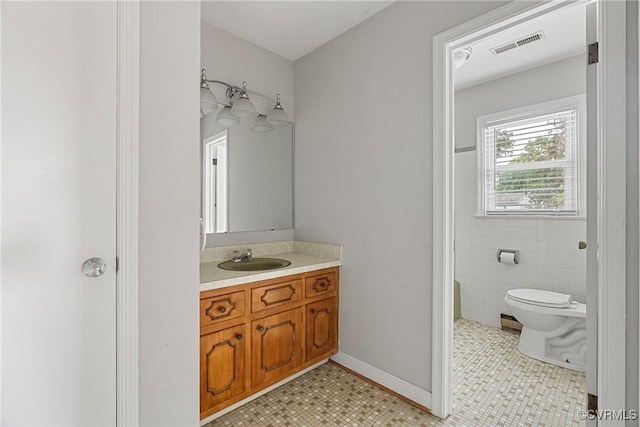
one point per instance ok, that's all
(257, 334)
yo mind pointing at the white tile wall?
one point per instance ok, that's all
(549, 255)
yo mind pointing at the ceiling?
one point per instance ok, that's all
(564, 37)
(289, 28)
(294, 28)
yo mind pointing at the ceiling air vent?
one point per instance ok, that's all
(517, 43)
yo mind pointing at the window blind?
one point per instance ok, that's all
(530, 164)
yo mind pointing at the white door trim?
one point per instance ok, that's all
(128, 51)
(611, 204)
(611, 200)
(0, 211)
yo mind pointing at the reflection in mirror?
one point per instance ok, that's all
(215, 183)
(247, 177)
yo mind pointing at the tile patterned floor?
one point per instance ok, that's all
(494, 385)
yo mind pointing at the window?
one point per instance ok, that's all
(531, 159)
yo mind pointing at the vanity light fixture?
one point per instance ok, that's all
(208, 101)
(277, 116)
(227, 118)
(260, 124)
(243, 107)
(239, 106)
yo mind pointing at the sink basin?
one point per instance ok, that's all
(255, 264)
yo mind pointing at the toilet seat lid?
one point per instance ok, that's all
(540, 297)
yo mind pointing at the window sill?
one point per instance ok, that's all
(533, 216)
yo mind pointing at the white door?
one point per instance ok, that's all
(58, 193)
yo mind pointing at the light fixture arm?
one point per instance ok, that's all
(232, 90)
(222, 83)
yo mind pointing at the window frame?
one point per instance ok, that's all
(577, 103)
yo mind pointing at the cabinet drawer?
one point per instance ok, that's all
(277, 294)
(322, 284)
(221, 308)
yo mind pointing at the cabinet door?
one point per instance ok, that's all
(222, 366)
(322, 328)
(276, 345)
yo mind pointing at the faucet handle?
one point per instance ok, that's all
(245, 255)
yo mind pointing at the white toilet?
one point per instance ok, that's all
(553, 326)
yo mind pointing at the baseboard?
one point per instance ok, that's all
(395, 384)
(228, 409)
(509, 322)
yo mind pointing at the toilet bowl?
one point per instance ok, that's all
(553, 326)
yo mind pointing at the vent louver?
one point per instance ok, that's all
(518, 43)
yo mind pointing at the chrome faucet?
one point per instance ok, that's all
(237, 256)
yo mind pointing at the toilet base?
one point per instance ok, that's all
(564, 347)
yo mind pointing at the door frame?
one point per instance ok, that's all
(611, 195)
(127, 142)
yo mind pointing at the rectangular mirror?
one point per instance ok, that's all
(247, 177)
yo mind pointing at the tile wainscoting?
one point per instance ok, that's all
(549, 255)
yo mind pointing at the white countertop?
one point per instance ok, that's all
(212, 277)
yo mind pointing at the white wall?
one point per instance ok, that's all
(169, 213)
(231, 59)
(556, 80)
(363, 176)
(234, 60)
(549, 255)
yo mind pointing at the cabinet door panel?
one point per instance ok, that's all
(222, 366)
(277, 294)
(322, 328)
(276, 345)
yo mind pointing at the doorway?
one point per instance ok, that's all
(214, 184)
(600, 232)
(520, 186)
